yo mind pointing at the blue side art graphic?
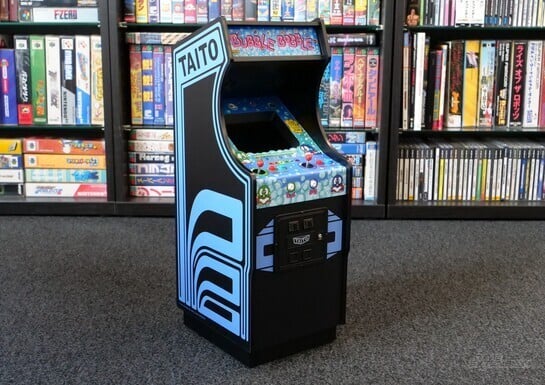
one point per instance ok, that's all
(213, 270)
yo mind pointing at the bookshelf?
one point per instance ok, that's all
(121, 120)
(21, 205)
(464, 205)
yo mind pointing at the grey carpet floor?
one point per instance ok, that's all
(88, 300)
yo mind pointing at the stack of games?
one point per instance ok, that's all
(352, 145)
(65, 167)
(151, 162)
(11, 167)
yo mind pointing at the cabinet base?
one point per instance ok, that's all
(261, 356)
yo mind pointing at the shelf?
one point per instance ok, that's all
(156, 207)
(56, 206)
(466, 210)
(476, 131)
(51, 28)
(49, 130)
(367, 210)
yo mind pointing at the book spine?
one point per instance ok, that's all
(263, 10)
(348, 12)
(190, 11)
(237, 13)
(153, 11)
(165, 11)
(323, 97)
(455, 85)
(312, 9)
(158, 85)
(8, 86)
(487, 64)
(53, 79)
(532, 86)
(518, 76)
(503, 60)
(336, 12)
(324, 11)
(250, 10)
(275, 12)
(135, 64)
(147, 84)
(369, 184)
(372, 91)
(214, 10)
(178, 16)
(141, 11)
(169, 87)
(129, 14)
(227, 9)
(373, 12)
(288, 10)
(360, 83)
(38, 79)
(83, 80)
(347, 92)
(97, 86)
(360, 12)
(471, 83)
(300, 10)
(23, 73)
(68, 80)
(335, 79)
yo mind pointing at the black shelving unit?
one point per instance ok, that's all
(67, 206)
(126, 205)
(452, 209)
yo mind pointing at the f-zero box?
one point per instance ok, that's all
(65, 161)
(63, 146)
(97, 190)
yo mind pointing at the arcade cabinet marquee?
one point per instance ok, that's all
(262, 200)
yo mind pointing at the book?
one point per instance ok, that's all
(372, 88)
(360, 85)
(518, 76)
(335, 87)
(169, 87)
(487, 64)
(471, 83)
(502, 91)
(68, 80)
(370, 171)
(97, 86)
(53, 78)
(38, 79)
(8, 92)
(141, 11)
(147, 85)
(455, 84)
(347, 90)
(165, 11)
(135, 64)
(532, 86)
(83, 79)
(158, 85)
(412, 18)
(23, 73)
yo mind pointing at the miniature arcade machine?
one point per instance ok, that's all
(262, 200)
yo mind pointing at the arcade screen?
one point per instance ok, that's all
(261, 131)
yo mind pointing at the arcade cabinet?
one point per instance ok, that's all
(262, 200)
